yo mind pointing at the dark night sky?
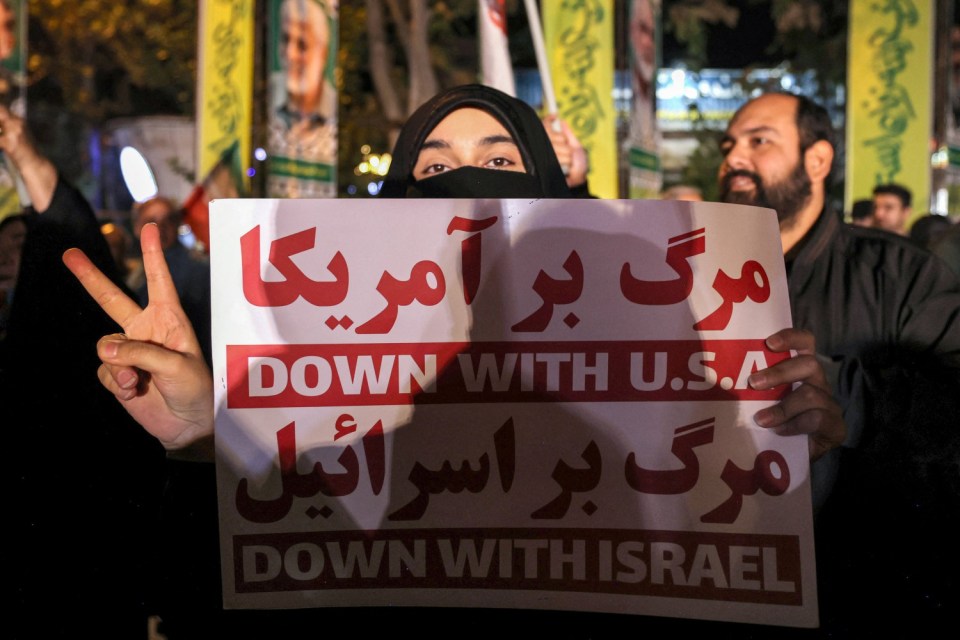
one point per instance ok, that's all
(727, 48)
(735, 48)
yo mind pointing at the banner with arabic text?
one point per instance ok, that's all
(225, 87)
(507, 404)
(889, 115)
(579, 41)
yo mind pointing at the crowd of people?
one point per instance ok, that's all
(875, 382)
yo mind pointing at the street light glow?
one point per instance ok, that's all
(137, 175)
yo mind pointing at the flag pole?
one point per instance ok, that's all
(536, 32)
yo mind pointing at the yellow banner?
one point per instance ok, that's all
(224, 85)
(890, 84)
(579, 42)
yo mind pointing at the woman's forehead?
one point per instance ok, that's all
(468, 123)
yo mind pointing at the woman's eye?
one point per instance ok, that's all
(431, 169)
(500, 163)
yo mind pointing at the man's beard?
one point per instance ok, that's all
(786, 197)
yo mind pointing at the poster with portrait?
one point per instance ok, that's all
(642, 147)
(509, 404)
(13, 55)
(302, 110)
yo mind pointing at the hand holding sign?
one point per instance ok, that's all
(810, 407)
(155, 369)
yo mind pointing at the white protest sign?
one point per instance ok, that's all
(508, 404)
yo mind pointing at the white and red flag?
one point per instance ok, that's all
(495, 68)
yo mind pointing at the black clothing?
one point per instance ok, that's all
(475, 182)
(888, 314)
(517, 117)
(192, 598)
(84, 480)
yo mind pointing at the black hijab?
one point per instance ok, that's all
(543, 177)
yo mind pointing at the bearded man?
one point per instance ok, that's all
(886, 319)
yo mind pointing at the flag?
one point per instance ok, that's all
(225, 83)
(222, 181)
(495, 68)
(579, 42)
(889, 112)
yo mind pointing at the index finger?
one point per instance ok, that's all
(111, 299)
(160, 287)
(797, 340)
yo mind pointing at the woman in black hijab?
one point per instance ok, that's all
(540, 177)
(521, 134)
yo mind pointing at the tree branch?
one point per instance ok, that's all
(381, 61)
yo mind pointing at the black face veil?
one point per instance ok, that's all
(543, 177)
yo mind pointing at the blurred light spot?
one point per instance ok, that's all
(137, 174)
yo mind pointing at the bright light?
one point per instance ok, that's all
(260, 154)
(373, 188)
(385, 161)
(137, 174)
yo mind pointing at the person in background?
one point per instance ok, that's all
(572, 155)
(947, 247)
(928, 229)
(886, 317)
(83, 485)
(891, 208)
(190, 270)
(684, 192)
(861, 215)
(469, 141)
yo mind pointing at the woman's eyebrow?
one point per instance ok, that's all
(497, 139)
(435, 144)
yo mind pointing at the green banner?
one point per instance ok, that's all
(953, 156)
(642, 159)
(293, 168)
(890, 84)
